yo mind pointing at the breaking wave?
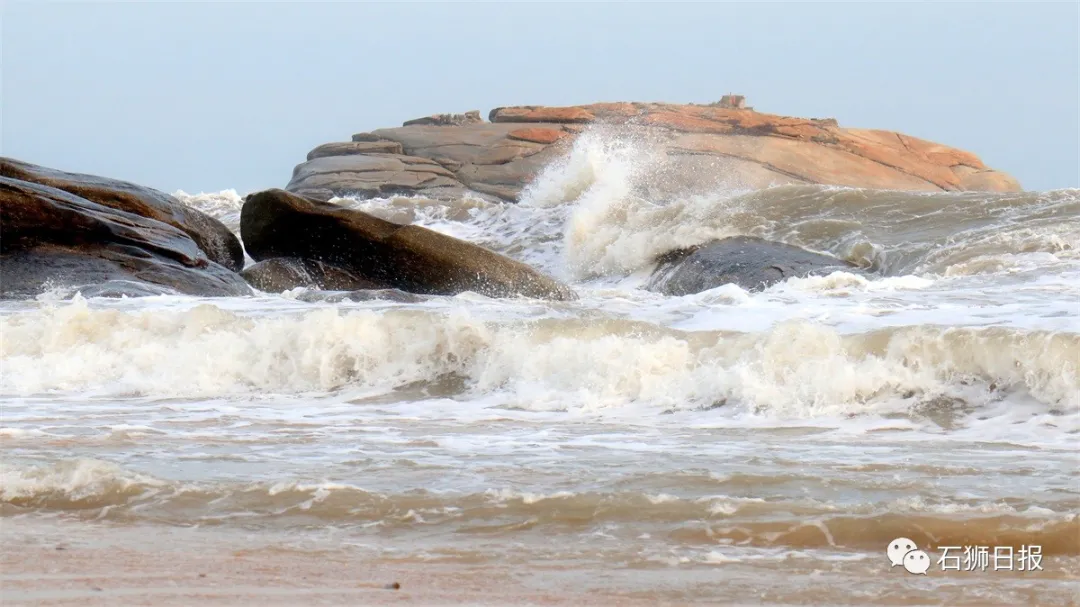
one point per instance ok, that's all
(224, 205)
(794, 369)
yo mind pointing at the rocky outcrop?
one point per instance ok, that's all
(210, 235)
(283, 274)
(751, 263)
(700, 143)
(472, 117)
(276, 223)
(51, 238)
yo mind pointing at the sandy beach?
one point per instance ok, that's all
(57, 562)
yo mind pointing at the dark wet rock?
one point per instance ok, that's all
(115, 288)
(284, 273)
(216, 241)
(50, 238)
(275, 223)
(751, 263)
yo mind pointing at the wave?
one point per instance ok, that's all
(224, 205)
(795, 369)
(618, 221)
(102, 490)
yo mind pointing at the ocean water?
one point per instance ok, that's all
(704, 443)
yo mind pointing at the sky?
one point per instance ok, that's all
(208, 96)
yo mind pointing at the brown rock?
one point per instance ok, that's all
(219, 244)
(275, 223)
(52, 238)
(537, 135)
(282, 274)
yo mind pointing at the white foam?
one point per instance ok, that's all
(613, 227)
(75, 479)
(224, 205)
(795, 369)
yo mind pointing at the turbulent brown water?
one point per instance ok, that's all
(773, 440)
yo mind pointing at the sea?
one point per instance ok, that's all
(723, 447)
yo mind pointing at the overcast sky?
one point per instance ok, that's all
(209, 96)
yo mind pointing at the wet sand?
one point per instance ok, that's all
(63, 562)
(86, 564)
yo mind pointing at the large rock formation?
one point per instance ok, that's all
(52, 238)
(751, 263)
(277, 224)
(211, 236)
(445, 156)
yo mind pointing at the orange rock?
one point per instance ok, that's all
(686, 123)
(744, 146)
(940, 154)
(537, 135)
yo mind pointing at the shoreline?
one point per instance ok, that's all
(58, 561)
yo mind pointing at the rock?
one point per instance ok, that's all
(787, 161)
(349, 148)
(472, 117)
(985, 180)
(751, 263)
(371, 175)
(283, 274)
(50, 238)
(463, 144)
(734, 102)
(459, 156)
(754, 149)
(275, 223)
(216, 241)
(537, 135)
(534, 113)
